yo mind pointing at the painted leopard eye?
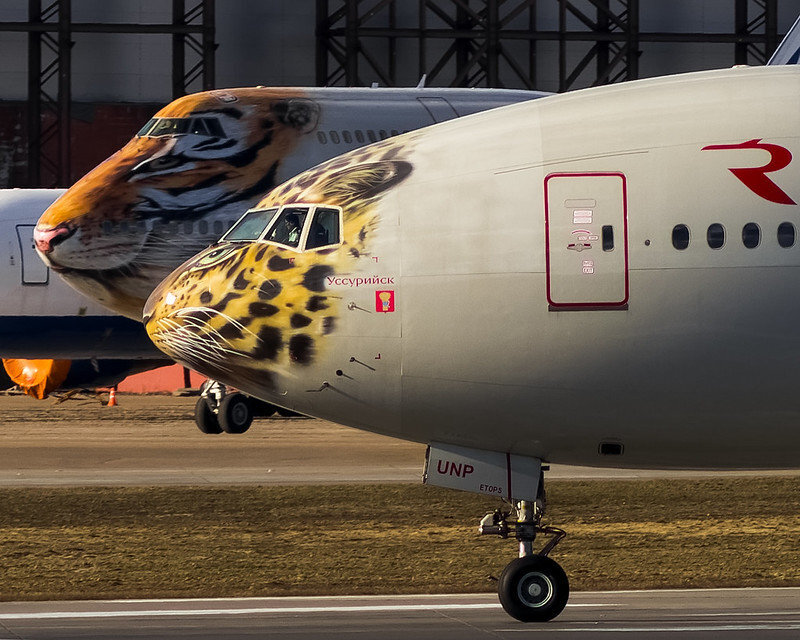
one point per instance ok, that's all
(213, 257)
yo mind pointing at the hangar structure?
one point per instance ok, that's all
(535, 44)
(598, 40)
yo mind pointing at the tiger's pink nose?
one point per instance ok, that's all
(46, 239)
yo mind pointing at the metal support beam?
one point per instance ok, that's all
(197, 43)
(756, 25)
(476, 42)
(50, 31)
(49, 99)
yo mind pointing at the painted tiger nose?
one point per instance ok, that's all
(48, 238)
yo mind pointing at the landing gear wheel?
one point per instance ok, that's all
(235, 414)
(204, 417)
(533, 589)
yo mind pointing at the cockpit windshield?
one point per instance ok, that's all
(157, 127)
(299, 227)
(251, 225)
(288, 227)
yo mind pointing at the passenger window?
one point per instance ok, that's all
(188, 227)
(715, 236)
(288, 226)
(334, 137)
(323, 139)
(786, 234)
(371, 135)
(324, 229)
(395, 132)
(751, 235)
(218, 227)
(231, 223)
(680, 237)
(251, 225)
(382, 134)
(359, 136)
(202, 227)
(214, 127)
(347, 137)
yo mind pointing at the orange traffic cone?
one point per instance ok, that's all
(112, 397)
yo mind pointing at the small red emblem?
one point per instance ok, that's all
(755, 178)
(384, 301)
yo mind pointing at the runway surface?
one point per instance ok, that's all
(152, 440)
(736, 614)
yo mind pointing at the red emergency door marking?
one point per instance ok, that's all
(755, 178)
(384, 301)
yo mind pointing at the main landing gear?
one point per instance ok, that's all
(532, 588)
(217, 410)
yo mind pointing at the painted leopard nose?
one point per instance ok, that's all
(47, 238)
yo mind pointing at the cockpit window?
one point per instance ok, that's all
(143, 131)
(198, 127)
(214, 127)
(178, 126)
(169, 127)
(288, 226)
(324, 229)
(251, 225)
(299, 227)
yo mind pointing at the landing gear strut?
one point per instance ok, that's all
(217, 410)
(532, 588)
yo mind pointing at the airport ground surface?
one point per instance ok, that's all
(152, 440)
(740, 614)
(188, 515)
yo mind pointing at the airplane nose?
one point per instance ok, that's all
(47, 238)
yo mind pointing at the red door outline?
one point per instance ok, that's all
(587, 306)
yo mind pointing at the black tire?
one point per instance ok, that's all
(533, 589)
(235, 414)
(204, 417)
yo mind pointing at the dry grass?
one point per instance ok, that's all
(245, 541)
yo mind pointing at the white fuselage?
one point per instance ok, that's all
(504, 337)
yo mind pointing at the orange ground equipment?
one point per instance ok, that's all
(37, 378)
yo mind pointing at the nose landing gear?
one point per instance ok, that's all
(217, 410)
(532, 588)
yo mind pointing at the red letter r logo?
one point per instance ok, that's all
(755, 178)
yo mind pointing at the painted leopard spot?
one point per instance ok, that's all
(262, 309)
(241, 282)
(269, 289)
(301, 349)
(299, 321)
(314, 278)
(278, 263)
(316, 303)
(269, 344)
(230, 331)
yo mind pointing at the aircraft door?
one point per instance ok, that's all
(586, 240)
(439, 109)
(33, 270)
